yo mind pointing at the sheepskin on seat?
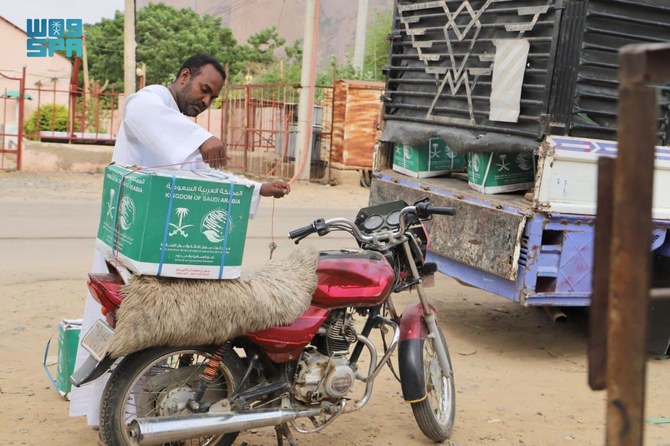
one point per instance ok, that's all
(181, 312)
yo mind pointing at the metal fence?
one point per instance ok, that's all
(257, 123)
(73, 116)
(12, 104)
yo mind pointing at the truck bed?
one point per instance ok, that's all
(457, 185)
(486, 231)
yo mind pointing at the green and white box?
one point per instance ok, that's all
(68, 341)
(427, 160)
(174, 223)
(494, 173)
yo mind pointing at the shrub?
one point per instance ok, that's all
(52, 118)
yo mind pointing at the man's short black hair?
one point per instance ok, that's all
(195, 63)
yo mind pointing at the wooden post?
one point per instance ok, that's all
(630, 264)
(628, 270)
(599, 310)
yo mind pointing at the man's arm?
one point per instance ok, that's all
(276, 189)
(213, 152)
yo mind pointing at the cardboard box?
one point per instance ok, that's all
(427, 160)
(68, 341)
(494, 173)
(161, 222)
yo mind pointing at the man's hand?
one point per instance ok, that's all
(213, 152)
(275, 189)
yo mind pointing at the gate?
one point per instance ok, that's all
(258, 124)
(12, 106)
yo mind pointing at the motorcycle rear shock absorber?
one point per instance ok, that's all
(208, 376)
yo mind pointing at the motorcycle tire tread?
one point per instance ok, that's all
(423, 411)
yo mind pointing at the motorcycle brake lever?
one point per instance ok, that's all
(299, 239)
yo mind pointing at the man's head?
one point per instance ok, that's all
(198, 83)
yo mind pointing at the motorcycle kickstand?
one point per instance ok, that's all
(283, 431)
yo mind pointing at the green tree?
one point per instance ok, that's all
(288, 68)
(278, 69)
(377, 46)
(104, 47)
(262, 46)
(165, 37)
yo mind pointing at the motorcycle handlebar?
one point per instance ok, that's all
(302, 232)
(425, 210)
(440, 210)
(322, 227)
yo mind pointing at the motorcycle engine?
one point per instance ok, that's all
(322, 378)
(323, 372)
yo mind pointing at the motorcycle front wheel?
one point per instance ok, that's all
(159, 382)
(436, 412)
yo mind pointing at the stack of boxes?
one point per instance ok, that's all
(427, 160)
(494, 173)
(489, 173)
(174, 223)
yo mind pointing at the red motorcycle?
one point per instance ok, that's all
(206, 395)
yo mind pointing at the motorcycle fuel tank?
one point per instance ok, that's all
(350, 278)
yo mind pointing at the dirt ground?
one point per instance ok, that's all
(521, 378)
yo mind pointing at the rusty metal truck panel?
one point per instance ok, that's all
(487, 233)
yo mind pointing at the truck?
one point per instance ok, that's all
(530, 84)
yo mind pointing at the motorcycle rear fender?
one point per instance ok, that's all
(413, 333)
(91, 370)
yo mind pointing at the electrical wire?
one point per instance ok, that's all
(281, 14)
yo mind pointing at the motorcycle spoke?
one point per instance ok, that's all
(164, 388)
(436, 383)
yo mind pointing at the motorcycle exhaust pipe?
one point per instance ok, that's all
(160, 430)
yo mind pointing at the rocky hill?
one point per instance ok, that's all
(337, 20)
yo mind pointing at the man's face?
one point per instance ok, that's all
(194, 94)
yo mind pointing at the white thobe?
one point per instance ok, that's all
(153, 133)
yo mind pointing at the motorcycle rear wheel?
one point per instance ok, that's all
(159, 381)
(436, 412)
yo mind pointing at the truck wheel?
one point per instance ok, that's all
(436, 412)
(160, 381)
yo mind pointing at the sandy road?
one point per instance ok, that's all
(520, 378)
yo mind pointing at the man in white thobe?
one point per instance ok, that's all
(154, 132)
